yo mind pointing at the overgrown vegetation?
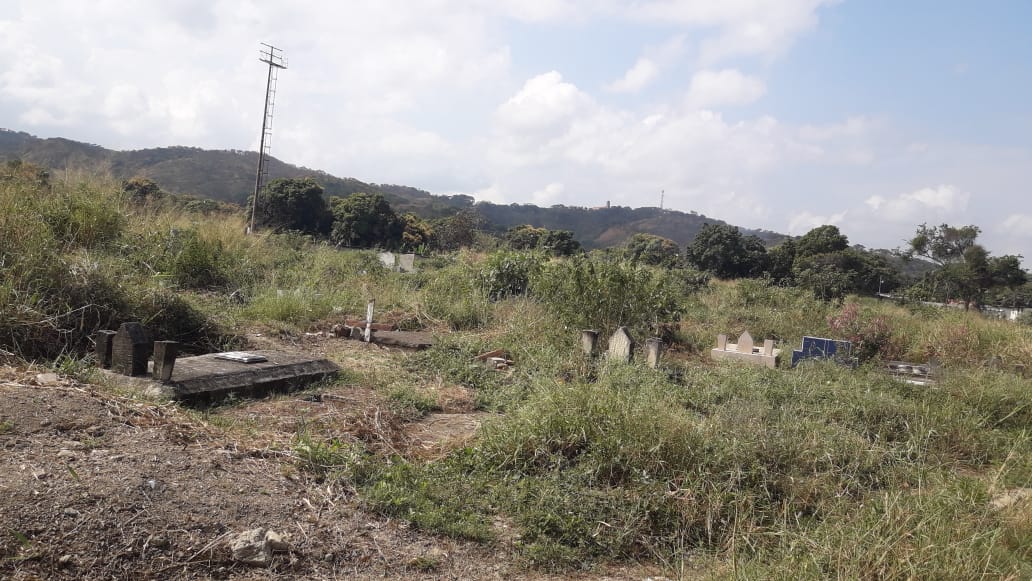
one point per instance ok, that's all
(815, 472)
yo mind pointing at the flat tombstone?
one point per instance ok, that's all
(104, 340)
(130, 350)
(653, 351)
(745, 343)
(621, 345)
(588, 342)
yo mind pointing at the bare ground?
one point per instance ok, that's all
(98, 484)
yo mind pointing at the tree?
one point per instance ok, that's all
(652, 250)
(560, 243)
(458, 230)
(943, 244)
(821, 240)
(364, 221)
(140, 189)
(292, 204)
(780, 260)
(527, 237)
(966, 269)
(417, 232)
(524, 237)
(722, 250)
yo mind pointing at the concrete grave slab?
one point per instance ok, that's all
(745, 350)
(206, 378)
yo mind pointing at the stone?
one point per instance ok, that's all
(588, 342)
(406, 263)
(768, 347)
(621, 346)
(130, 350)
(103, 340)
(745, 350)
(47, 379)
(387, 259)
(256, 546)
(745, 342)
(164, 359)
(653, 351)
(251, 547)
(65, 453)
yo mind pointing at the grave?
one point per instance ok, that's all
(211, 377)
(406, 263)
(914, 373)
(131, 347)
(588, 342)
(820, 348)
(653, 351)
(744, 350)
(621, 345)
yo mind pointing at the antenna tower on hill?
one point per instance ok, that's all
(275, 59)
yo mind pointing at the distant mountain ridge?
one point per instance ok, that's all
(228, 175)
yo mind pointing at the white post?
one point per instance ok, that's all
(368, 321)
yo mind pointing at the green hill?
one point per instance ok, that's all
(228, 175)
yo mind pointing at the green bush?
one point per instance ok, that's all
(598, 294)
(508, 274)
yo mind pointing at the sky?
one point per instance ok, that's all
(872, 115)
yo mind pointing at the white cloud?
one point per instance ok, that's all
(743, 27)
(921, 205)
(1018, 225)
(548, 195)
(724, 87)
(636, 78)
(805, 221)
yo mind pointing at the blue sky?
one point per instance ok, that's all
(872, 115)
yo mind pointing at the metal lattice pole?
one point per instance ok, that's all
(275, 59)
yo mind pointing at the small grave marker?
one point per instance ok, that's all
(653, 351)
(406, 263)
(164, 359)
(621, 345)
(821, 348)
(104, 340)
(588, 342)
(130, 350)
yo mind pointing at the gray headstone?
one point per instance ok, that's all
(588, 342)
(130, 350)
(406, 263)
(621, 345)
(387, 259)
(768, 347)
(164, 359)
(745, 343)
(104, 341)
(722, 342)
(653, 351)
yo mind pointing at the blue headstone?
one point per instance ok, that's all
(821, 348)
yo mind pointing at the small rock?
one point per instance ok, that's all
(251, 547)
(1010, 498)
(71, 512)
(65, 560)
(47, 379)
(276, 542)
(44, 422)
(65, 453)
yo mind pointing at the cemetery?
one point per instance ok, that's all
(218, 405)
